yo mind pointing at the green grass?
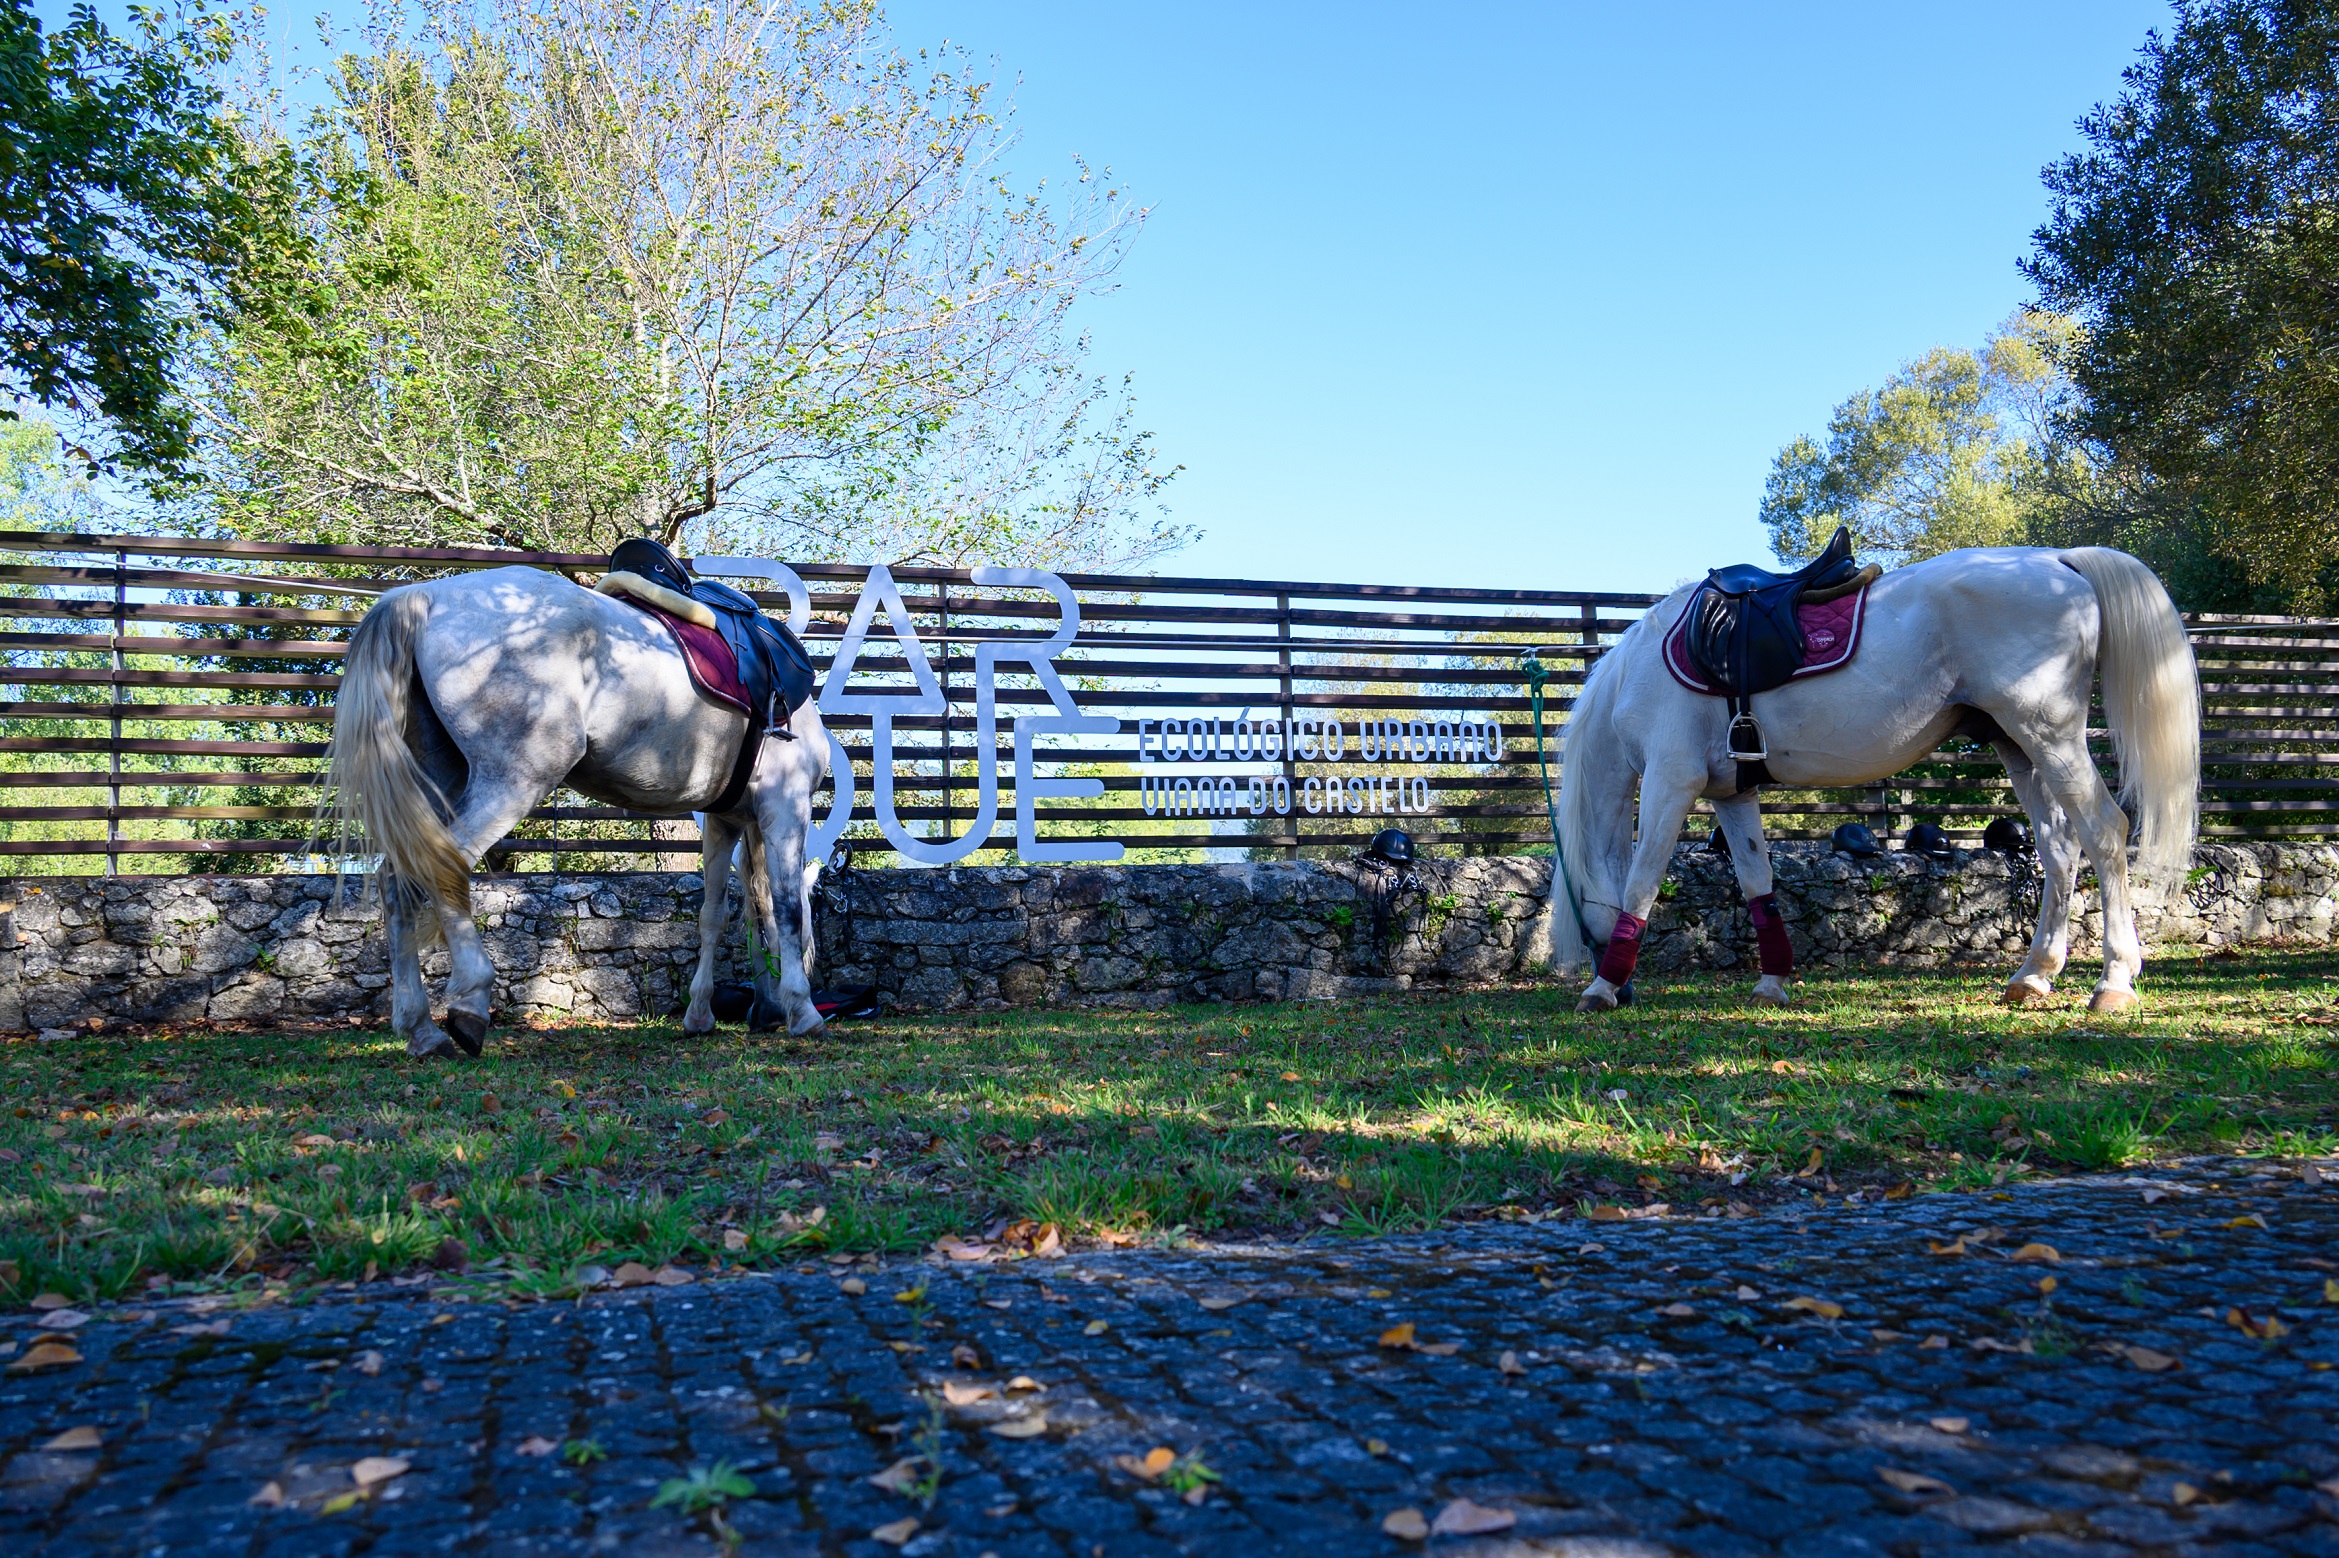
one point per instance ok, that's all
(198, 1158)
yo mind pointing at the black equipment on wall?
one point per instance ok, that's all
(1932, 841)
(1854, 839)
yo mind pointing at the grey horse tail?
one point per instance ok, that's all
(375, 788)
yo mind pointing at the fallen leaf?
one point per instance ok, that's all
(1605, 1214)
(537, 1444)
(2035, 1251)
(1196, 1494)
(1218, 1301)
(2246, 1220)
(633, 1274)
(2154, 1194)
(965, 1395)
(963, 1356)
(901, 1476)
(1376, 1447)
(716, 1116)
(1406, 1525)
(854, 1286)
(1464, 1518)
(44, 1355)
(377, 1468)
(342, 1501)
(2264, 1330)
(316, 1141)
(1818, 1306)
(672, 1277)
(65, 1320)
(734, 1239)
(1291, 1076)
(1677, 1311)
(1933, 1344)
(270, 1496)
(903, 1346)
(51, 1301)
(1510, 1364)
(75, 1439)
(2182, 1494)
(2047, 1284)
(2331, 1290)
(1156, 1461)
(215, 1328)
(1399, 1336)
(895, 1532)
(1021, 1427)
(1744, 1293)
(1954, 1247)
(1951, 1425)
(1439, 1349)
(1913, 1481)
(1096, 1328)
(368, 1363)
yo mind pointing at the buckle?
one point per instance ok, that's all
(1745, 740)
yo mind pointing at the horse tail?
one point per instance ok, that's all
(2152, 705)
(1577, 846)
(374, 786)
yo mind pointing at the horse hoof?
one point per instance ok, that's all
(2026, 989)
(766, 1017)
(2111, 998)
(1769, 997)
(469, 1029)
(431, 1046)
(1591, 1002)
(818, 1030)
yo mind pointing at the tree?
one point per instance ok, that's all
(131, 210)
(2197, 242)
(744, 278)
(1958, 448)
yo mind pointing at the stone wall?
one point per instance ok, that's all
(252, 949)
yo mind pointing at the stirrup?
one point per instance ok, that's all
(1745, 742)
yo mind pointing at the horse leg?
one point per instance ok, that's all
(719, 835)
(1740, 819)
(2058, 854)
(491, 804)
(2068, 776)
(409, 996)
(1664, 805)
(766, 1015)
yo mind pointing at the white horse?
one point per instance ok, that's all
(2001, 644)
(465, 701)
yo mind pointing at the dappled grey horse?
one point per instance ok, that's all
(466, 701)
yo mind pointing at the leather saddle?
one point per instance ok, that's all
(1744, 635)
(773, 664)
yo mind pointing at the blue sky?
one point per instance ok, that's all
(1531, 294)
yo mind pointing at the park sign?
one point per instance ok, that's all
(1275, 741)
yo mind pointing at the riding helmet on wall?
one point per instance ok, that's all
(1931, 841)
(1854, 839)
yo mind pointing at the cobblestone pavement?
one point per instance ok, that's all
(1613, 1388)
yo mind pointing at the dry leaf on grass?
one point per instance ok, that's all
(47, 1355)
(76, 1439)
(1510, 1364)
(377, 1468)
(633, 1274)
(965, 1395)
(537, 1444)
(1464, 1518)
(2037, 1251)
(52, 1301)
(1913, 1482)
(1156, 1461)
(1817, 1306)
(66, 1320)
(1022, 1427)
(734, 1239)
(1406, 1525)
(895, 1532)
(672, 1277)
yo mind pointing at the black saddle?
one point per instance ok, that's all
(773, 665)
(1744, 635)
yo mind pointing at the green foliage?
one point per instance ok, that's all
(131, 211)
(734, 277)
(1956, 449)
(706, 1488)
(2196, 239)
(583, 1452)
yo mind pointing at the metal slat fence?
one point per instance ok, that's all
(167, 703)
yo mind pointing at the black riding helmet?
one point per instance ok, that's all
(2006, 836)
(1854, 839)
(1392, 846)
(1928, 839)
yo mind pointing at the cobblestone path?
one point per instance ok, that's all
(2162, 1381)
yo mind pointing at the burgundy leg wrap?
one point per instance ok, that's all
(1770, 935)
(1624, 949)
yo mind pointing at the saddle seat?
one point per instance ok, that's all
(770, 673)
(1744, 631)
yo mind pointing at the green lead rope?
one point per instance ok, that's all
(1537, 673)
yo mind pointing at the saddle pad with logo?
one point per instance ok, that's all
(713, 667)
(1831, 632)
